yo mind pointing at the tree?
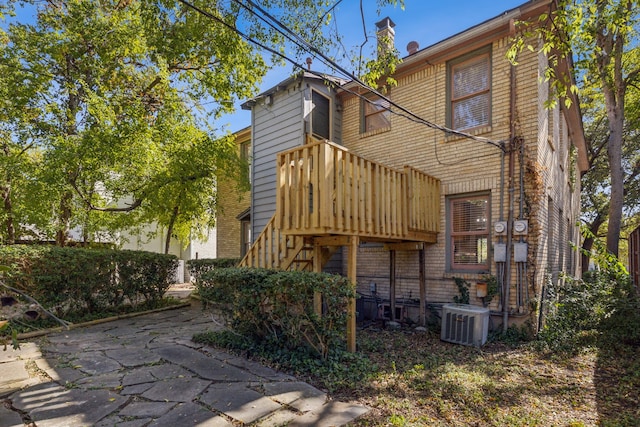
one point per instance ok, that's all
(601, 35)
(595, 182)
(113, 107)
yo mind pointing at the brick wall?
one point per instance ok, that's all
(230, 204)
(467, 166)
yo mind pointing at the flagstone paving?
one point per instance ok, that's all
(145, 371)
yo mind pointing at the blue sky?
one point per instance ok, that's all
(424, 21)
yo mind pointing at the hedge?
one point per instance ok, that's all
(198, 267)
(67, 280)
(278, 305)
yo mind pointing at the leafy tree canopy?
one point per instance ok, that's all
(601, 38)
(108, 108)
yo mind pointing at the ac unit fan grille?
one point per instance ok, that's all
(459, 328)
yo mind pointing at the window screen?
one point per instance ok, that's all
(320, 116)
(470, 93)
(469, 232)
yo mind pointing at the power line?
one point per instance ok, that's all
(336, 66)
(301, 43)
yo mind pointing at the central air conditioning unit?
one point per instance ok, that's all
(465, 324)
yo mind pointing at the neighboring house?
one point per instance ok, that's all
(234, 213)
(194, 249)
(414, 207)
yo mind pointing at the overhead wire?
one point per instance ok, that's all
(300, 42)
(357, 80)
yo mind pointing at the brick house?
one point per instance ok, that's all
(233, 218)
(341, 179)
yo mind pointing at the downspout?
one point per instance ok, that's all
(512, 142)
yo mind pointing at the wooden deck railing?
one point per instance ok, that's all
(324, 189)
(275, 250)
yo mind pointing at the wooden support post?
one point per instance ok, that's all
(392, 285)
(351, 309)
(423, 288)
(317, 267)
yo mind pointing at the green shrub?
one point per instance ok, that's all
(198, 267)
(600, 309)
(276, 305)
(67, 280)
(145, 276)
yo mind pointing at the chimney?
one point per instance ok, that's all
(412, 47)
(386, 35)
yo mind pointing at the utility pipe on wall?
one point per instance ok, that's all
(512, 143)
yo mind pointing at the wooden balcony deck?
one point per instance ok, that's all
(323, 189)
(327, 197)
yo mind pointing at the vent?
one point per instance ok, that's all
(384, 312)
(464, 324)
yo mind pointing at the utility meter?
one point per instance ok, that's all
(500, 228)
(520, 227)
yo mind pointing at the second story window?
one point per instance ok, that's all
(245, 156)
(320, 116)
(375, 114)
(470, 91)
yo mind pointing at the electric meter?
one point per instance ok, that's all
(500, 228)
(520, 227)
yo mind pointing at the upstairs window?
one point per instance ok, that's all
(245, 156)
(320, 116)
(470, 91)
(375, 114)
(468, 228)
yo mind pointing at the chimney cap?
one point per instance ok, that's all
(385, 23)
(412, 47)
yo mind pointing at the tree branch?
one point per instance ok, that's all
(34, 301)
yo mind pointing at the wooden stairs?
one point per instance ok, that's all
(276, 250)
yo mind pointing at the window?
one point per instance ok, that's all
(245, 237)
(375, 114)
(245, 156)
(320, 116)
(470, 91)
(469, 233)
